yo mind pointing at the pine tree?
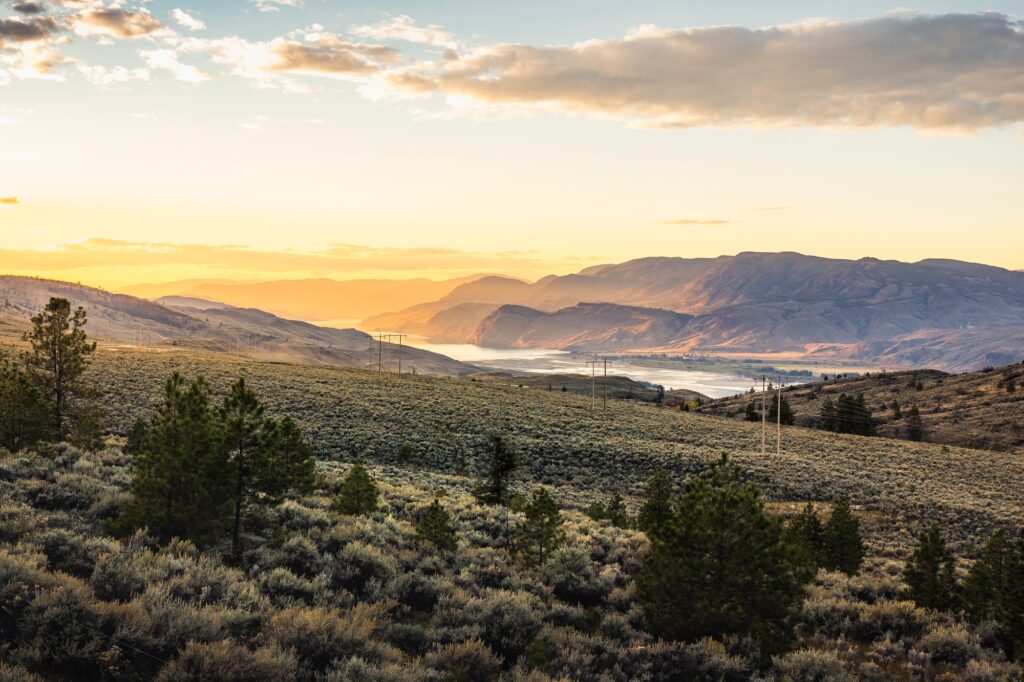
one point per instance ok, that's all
(503, 461)
(616, 513)
(721, 566)
(435, 526)
(751, 414)
(58, 355)
(656, 509)
(897, 411)
(357, 494)
(805, 534)
(994, 591)
(915, 428)
(930, 574)
(541, 531)
(827, 415)
(264, 458)
(24, 417)
(842, 547)
(788, 419)
(178, 485)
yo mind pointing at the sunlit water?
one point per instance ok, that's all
(547, 361)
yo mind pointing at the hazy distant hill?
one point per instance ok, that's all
(593, 326)
(942, 313)
(309, 299)
(192, 322)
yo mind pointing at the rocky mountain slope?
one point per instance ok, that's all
(191, 322)
(943, 313)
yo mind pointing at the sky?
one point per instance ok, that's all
(277, 139)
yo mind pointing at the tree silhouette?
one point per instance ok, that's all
(58, 355)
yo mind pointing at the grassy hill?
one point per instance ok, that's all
(586, 453)
(983, 410)
(323, 596)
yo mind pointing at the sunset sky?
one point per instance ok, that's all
(271, 139)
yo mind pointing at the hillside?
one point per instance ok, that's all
(903, 314)
(364, 597)
(585, 326)
(309, 299)
(191, 322)
(583, 453)
(983, 409)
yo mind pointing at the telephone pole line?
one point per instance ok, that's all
(604, 390)
(764, 414)
(593, 382)
(778, 415)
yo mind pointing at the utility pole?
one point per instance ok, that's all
(604, 390)
(778, 415)
(380, 350)
(593, 382)
(764, 413)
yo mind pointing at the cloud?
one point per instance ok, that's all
(167, 60)
(404, 28)
(186, 20)
(952, 72)
(29, 7)
(9, 201)
(114, 22)
(337, 259)
(17, 30)
(275, 5)
(692, 221)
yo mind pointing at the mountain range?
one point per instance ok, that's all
(946, 314)
(178, 321)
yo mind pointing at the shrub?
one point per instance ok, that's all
(812, 665)
(226, 661)
(574, 578)
(318, 637)
(951, 644)
(510, 622)
(465, 661)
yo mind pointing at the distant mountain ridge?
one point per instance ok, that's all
(753, 302)
(193, 322)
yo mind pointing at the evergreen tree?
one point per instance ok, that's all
(930, 574)
(752, 414)
(357, 494)
(58, 355)
(805, 534)
(264, 458)
(897, 411)
(136, 437)
(435, 526)
(843, 549)
(616, 513)
(827, 415)
(503, 461)
(656, 509)
(915, 428)
(541, 531)
(24, 417)
(788, 419)
(721, 566)
(178, 485)
(994, 590)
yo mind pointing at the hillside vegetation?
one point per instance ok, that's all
(495, 532)
(983, 410)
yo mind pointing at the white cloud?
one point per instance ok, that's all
(167, 60)
(114, 22)
(275, 5)
(404, 28)
(954, 72)
(186, 20)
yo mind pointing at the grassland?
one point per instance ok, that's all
(585, 453)
(318, 596)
